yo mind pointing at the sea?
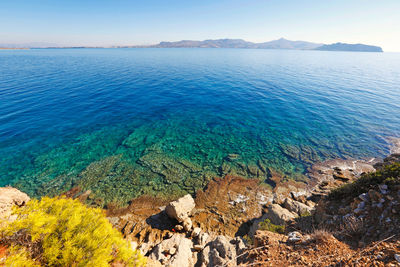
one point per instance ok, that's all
(141, 121)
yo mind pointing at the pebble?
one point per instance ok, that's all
(364, 197)
(383, 188)
(294, 237)
(397, 257)
(196, 232)
(172, 251)
(178, 227)
(358, 211)
(198, 247)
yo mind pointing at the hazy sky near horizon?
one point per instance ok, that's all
(124, 22)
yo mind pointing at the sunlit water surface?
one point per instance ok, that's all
(126, 122)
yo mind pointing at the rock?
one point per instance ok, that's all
(9, 197)
(397, 257)
(181, 208)
(203, 239)
(198, 247)
(358, 211)
(219, 252)
(374, 195)
(233, 156)
(296, 206)
(278, 215)
(174, 252)
(364, 197)
(383, 188)
(240, 245)
(178, 227)
(265, 238)
(294, 237)
(134, 245)
(196, 232)
(145, 248)
(187, 224)
(153, 263)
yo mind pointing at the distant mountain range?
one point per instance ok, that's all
(276, 44)
(350, 47)
(239, 43)
(231, 43)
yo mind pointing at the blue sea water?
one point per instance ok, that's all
(127, 122)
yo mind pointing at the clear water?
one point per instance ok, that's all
(126, 122)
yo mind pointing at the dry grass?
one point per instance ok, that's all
(352, 226)
(320, 235)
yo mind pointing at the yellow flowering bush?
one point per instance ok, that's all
(64, 232)
(19, 257)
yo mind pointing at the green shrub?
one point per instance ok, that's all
(305, 214)
(268, 226)
(389, 174)
(64, 232)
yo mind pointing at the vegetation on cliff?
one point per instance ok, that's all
(64, 232)
(389, 174)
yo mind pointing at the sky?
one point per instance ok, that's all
(131, 22)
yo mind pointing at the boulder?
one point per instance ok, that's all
(187, 224)
(296, 206)
(219, 252)
(174, 252)
(202, 239)
(9, 197)
(181, 208)
(278, 215)
(239, 245)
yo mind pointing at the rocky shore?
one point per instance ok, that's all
(346, 214)
(220, 225)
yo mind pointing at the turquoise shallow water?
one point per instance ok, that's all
(126, 122)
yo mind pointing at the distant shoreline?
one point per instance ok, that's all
(150, 47)
(9, 48)
(281, 43)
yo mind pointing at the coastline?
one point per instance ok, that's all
(230, 212)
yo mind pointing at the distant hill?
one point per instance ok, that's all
(239, 43)
(287, 44)
(281, 43)
(350, 47)
(220, 43)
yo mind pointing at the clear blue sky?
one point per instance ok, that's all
(123, 22)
